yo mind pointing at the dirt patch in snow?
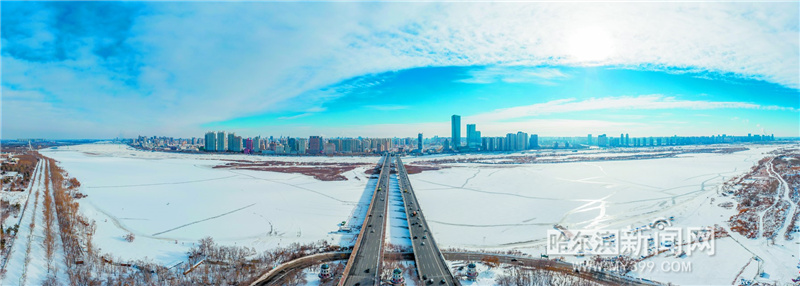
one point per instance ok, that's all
(319, 170)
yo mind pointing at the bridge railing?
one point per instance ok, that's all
(361, 233)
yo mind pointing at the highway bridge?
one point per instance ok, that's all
(363, 267)
(363, 263)
(431, 265)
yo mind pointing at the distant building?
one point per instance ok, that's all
(211, 141)
(222, 142)
(256, 144)
(602, 140)
(627, 140)
(314, 145)
(522, 141)
(231, 143)
(235, 143)
(493, 143)
(533, 142)
(589, 140)
(419, 142)
(329, 148)
(473, 137)
(248, 145)
(510, 143)
(455, 141)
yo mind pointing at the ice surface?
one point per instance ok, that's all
(166, 198)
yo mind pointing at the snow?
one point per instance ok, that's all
(486, 274)
(397, 226)
(475, 206)
(169, 197)
(171, 202)
(27, 263)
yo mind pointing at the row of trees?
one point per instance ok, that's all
(75, 230)
(49, 242)
(208, 262)
(522, 276)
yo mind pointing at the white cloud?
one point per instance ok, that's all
(643, 102)
(210, 62)
(386, 107)
(514, 75)
(295, 116)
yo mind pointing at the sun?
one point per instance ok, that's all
(589, 45)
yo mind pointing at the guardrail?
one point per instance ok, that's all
(272, 277)
(352, 258)
(401, 170)
(442, 261)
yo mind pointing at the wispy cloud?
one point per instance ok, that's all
(643, 102)
(386, 107)
(514, 75)
(133, 66)
(301, 115)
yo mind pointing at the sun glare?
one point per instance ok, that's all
(590, 45)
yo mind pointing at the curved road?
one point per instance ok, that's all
(276, 276)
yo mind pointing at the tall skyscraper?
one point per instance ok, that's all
(589, 140)
(419, 142)
(247, 145)
(534, 142)
(222, 142)
(522, 141)
(211, 142)
(455, 122)
(301, 145)
(627, 140)
(315, 145)
(510, 143)
(602, 140)
(473, 137)
(231, 143)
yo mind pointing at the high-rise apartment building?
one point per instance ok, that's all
(533, 142)
(510, 143)
(473, 137)
(231, 144)
(257, 144)
(522, 141)
(222, 142)
(315, 145)
(455, 126)
(211, 141)
(602, 140)
(419, 142)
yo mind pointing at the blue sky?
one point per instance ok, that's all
(103, 69)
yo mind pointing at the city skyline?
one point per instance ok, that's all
(160, 68)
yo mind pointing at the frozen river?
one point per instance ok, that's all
(170, 201)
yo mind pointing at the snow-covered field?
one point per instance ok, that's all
(27, 263)
(512, 207)
(170, 200)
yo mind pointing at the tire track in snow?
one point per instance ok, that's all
(202, 220)
(295, 186)
(487, 225)
(159, 184)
